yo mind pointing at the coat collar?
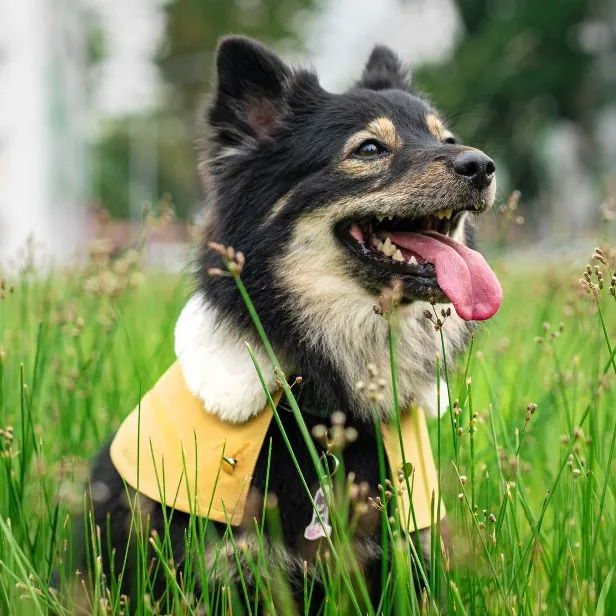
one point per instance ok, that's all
(174, 452)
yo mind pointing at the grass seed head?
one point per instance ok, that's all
(233, 260)
(338, 418)
(216, 272)
(390, 298)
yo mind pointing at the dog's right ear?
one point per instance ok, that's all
(249, 99)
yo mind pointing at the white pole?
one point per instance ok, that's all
(41, 159)
(24, 185)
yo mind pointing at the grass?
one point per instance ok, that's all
(526, 455)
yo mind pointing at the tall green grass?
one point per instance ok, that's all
(526, 453)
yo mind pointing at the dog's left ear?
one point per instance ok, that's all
(384, 71)
(249, 101)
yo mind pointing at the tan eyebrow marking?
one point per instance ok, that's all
(436, 127)
(384, 129)
(380, 128)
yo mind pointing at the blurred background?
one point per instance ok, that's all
(98, 100)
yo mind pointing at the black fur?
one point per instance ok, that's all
(274, 134)
(384, 71)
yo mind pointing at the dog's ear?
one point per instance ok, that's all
(384, 71)
(249, 99)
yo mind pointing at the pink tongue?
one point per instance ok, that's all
(462, 273)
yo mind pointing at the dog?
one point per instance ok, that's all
(331, 199)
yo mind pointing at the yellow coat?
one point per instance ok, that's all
(171, 450)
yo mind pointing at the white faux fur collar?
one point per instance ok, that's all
(216, 365)
(218, 370)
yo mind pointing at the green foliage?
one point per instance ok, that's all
(143, 159)
(194, 26)
(517, 68)
(529, 490)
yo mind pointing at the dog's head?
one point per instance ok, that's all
(331, 196)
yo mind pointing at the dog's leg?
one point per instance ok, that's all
(113, 537)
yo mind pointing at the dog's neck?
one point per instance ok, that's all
(219, 370)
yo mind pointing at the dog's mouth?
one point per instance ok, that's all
(422, 253)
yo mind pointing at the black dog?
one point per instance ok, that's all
(329, 197)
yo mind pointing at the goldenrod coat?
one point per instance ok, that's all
(171, 450)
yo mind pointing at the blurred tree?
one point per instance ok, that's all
(120, 168)
(119, 149)
(519, 67)
(194, 26)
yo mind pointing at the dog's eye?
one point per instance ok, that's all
(369, 149)
(451, 140)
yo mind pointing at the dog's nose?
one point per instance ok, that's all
(475, 166)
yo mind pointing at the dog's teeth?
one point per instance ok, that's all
(477, 206)
(374, 240)
(397, 256)
(412, 261)
(389, 217)
(380, 218)
(388, 247)
(444, 214)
